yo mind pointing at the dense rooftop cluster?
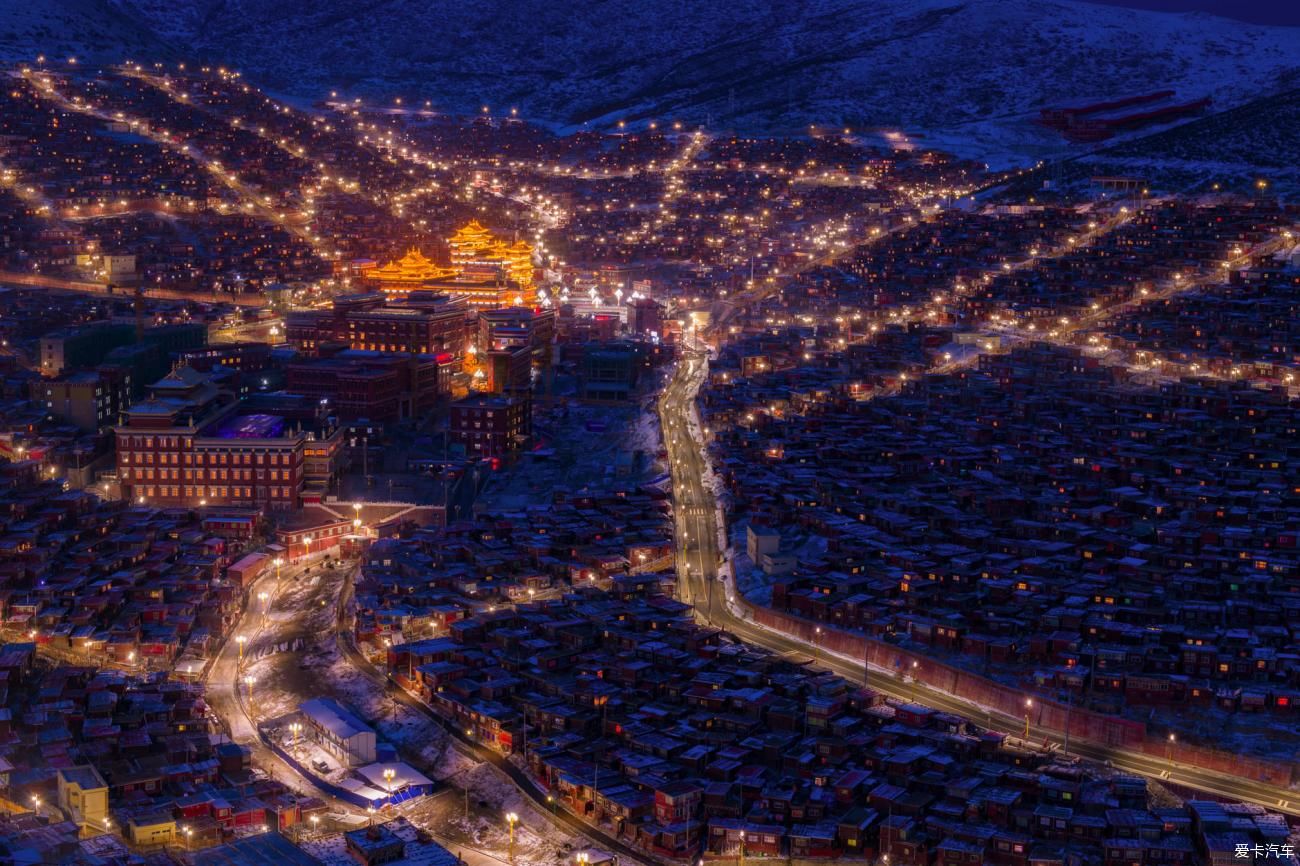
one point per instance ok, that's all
(129, 752)
(1044, 521)
(135, 587)
(671, 736)
(699, 207)
(79, 162)
(580, 539)
(111, 191)
(1163, 243)
(1248, 326)
(948, 251)
(27, 313)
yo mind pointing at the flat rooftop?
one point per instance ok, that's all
(255, 425)
(270, 849)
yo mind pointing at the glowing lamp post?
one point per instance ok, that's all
(511, 820)
(389, 775)
(241, 640)
(295, 728)
(277, 562)
(248, 681)
(1029, 704)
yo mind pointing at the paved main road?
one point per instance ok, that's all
(699, 560)
(225, 693)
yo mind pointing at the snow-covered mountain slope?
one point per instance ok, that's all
(956, 70)
(84, 29)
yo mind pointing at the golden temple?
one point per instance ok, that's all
(410, 270)
(490, 271)
(474, 249)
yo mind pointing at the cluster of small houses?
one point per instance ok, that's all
(422, 584)
(1248, 328)
(1164, 242)
(81, 165)
(1040, 517)
(1036, 265)
(951, 248)
(113, 582)
(720, 206)
(280, 149)
(677, 739)
(132, 754)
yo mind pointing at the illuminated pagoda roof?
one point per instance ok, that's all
(414, 267)
(472, 233)
(473, 248)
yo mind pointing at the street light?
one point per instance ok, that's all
(295, 728)
(262, 597)
(306, 540)
(582, 858)
(1169, 749)
(248, 681)
(1029, 703)
(277, 562)
(511, 820)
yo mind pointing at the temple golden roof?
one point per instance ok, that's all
(472, 230)
(472, 243)
(414, 266)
